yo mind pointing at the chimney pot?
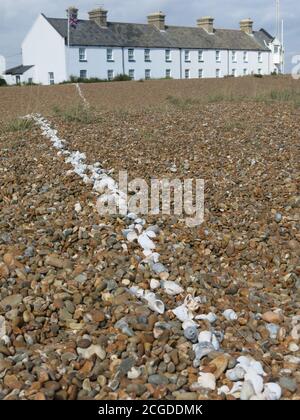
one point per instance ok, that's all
(99, 16)
(206, 23)
(158, 20)
(246, 26)
(72, 11)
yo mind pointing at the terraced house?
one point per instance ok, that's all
(54, 50)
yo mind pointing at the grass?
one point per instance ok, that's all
(17, 125)
(77, 113)
(284, 96)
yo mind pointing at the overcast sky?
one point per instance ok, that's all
(17, 16)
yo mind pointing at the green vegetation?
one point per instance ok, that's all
(78, 113)
(118, 78)
(2, 82)
(18, 125)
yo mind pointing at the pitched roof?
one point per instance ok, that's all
(15, 71)
(88, 33)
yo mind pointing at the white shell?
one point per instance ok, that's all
(189, 323)
(272, 391)
(207, 380)
(132, 236)
(192, 303)
(156, 305)
(77, 207)
(134, 373)
(150, 234)
(172, 288)
(182, 313)
(230, 315)
(154, 284)
(247, 391)
(205, 337)
(145, 242)
(211, 317)
(235, 374)
(256, 381)
(2, 327)
(215, 342)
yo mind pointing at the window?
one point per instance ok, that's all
(51, 78)
(147, 55)
(259, 71)
(131, 54)
(200, 73)
(260, 57)
(168, 73)
(30, 80)
(18, 80)
(245, 56)
(245, 72)
(147, 74)
(168, 56)
(218, 73)
(131, 74)
(82, 54)
(187, 56)
(109, 54)
(218, 56)
(187, 73)
(233, 72)
(234, 60)
(110, 74)
(83, 74)
(276, 49)
(200, 56)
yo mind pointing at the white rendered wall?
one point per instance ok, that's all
(44, 48)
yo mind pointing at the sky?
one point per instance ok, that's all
(17, 16)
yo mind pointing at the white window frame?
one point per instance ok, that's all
(187, 74)
(147, 74)
(259, 71)
(233, 72)
(168, 56)
(218, 73)
(83, 77)
(218, 56)
(131, 74)
(131, 55)
(260, 57)
(187, 56)
(82, 55)
(110, 74)
(147, 55)
(109, 54)
(245, 72)
(168, 73)
(245, 56)
(200, 56)
(200, 73)
(51, 78)
(234, 56)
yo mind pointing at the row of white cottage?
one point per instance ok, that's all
(98, 48)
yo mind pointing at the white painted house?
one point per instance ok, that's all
(102, 49)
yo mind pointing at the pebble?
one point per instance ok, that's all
(272, 317)
(86, 353)
(11, 301)
(288, 383)
(158, 379)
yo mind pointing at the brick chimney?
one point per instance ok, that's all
(72, 11)
(158, 20)
(206, 23)
(99, 16)
(246, 26)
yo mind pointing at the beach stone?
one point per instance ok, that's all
(158, 379)
(11, 301)
(288, 383)
(220, 363)
(272, 317)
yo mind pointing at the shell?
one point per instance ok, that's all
(235, 374)
(192, 303)
(181, 313)
(154, 284)
(191, 333)
(256, 381)
(158, 268)
(156, 305)
(202, 349)
(215, 342)
(230, 315)
(205, 337)
(2, 327)
(207, 380)
(131, 236)
(247, 391)
(189, 323)
(272, 391)
(273, 330)
(145, 242)
(211, 317)
(172, 288)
